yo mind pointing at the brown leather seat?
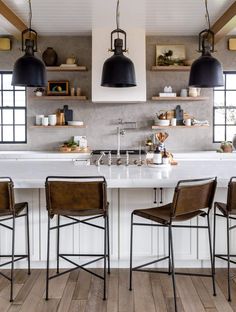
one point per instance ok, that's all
(71, 198)
(9, 210)
(163, 214)
(230, 206)
(188, 202)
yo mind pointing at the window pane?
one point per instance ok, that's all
(7, 82)
(7, 133)
(20, 116)
(220, 116)
(219, 134)
(231, 116)
(230, 131)
(7, 116)
(219, 98)
(19, 88)
(230, 98)
(19, 133)
(231, 81)
(20, 98)
(7, 98)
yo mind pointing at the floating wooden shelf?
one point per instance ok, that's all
(182, 126)
(179, 98)
(62, 68)
(61, 97)
(171, 68)
(56, 127)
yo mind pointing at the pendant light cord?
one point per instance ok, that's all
(207, 15)
(30, 16)
(118, 14)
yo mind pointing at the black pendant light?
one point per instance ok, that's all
(28, 70)
(206, 71)
(118, 70)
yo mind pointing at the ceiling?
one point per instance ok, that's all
(78, 17)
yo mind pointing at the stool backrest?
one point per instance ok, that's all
(66, 195)
(7, 201)
(193, 195)
(231, 196)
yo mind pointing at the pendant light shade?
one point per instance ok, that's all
(28, 70)
(206, 71)
(118, 70)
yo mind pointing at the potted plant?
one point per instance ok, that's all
(39, 91)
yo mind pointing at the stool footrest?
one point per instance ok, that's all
(225, 259)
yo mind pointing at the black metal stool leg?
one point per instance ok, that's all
(131, 253)
(12, 257)
(108, 245)
(228, 259)
(211, 257)
(105, 258)
(28, 239)
(58, 242)
(172, 265)
(214, 240)
(47, 270)
(169, 261)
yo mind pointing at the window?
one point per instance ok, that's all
(12, 111)
(224, 111)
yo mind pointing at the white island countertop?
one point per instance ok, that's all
(32, 174)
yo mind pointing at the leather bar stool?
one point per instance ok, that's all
(79, 200)
(227, 211)
(190, 197)
(9, 210)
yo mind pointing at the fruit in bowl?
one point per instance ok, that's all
(226, 147)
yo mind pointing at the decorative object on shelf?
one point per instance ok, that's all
(71, 60)
(184, 93)
(39, 91)
(167, 92)
(225, 147)
(52, 120)
(5, 44)
(68, 114)
(187, 122)
(170, 55)
(193, 92)
(28, 70)
(72, 91)
(38, 120)
(57, 87)
(60, 117)
(78, 91)
(173, 122)
(206, 71)
(118, 70)
(45, 121)
(179, 115)
(75, 123)
(196, 122)
(50, 57)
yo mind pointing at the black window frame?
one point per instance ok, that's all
(225, 107)
(14, 108)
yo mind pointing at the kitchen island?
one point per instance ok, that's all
(129, 188)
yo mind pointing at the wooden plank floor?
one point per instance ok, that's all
(81, 292)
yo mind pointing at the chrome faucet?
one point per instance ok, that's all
(98, 162)
(119, 133)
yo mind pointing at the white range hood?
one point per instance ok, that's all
(103, 24)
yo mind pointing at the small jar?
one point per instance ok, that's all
(157, 157)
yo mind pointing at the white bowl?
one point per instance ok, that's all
(163, 122)
(75, 123)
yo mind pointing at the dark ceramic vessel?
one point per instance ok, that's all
(50, 57)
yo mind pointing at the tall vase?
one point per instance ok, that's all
(50, 57)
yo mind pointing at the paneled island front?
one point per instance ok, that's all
(129, 188)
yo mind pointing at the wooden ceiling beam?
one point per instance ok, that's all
(225, 23)
(11, 17)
